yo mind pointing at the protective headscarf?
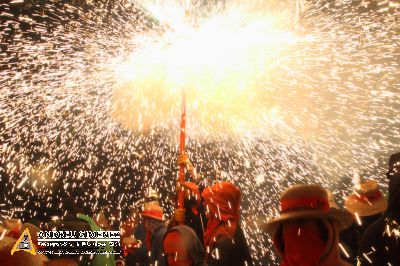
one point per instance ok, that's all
(223, 206)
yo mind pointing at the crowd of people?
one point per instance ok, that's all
(310, 230)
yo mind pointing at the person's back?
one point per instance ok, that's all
(351, 237)
(229, 251)
(182, 247)
(138, 256)
(379, 245)
(156, 254)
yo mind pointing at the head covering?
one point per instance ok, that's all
(154, 211)
(307, 201)
(367, 199)
(394, 159)
(304, 242)
(12, 227)
(99, 259)
(175, 250)
(223, 204)
(183, 239)
(19, 257)
(329, 253)
(394, 166)
(223, 199)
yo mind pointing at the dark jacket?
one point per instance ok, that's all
(140, 256)
(228, 251)
(351, 237)
(195, 218)
(380, 235)
(156, 250)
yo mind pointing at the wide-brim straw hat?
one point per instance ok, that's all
(367, 199)
(307, 201)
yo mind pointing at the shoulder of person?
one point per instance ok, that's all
(379, 226)
(223, 240)
(222, 237)
(373, 234)
(161, 232)
(222, 250)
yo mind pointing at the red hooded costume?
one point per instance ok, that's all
(223, 238)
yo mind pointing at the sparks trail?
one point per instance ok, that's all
(284, 94)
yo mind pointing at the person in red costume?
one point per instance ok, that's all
(307, 231)
(223, 238)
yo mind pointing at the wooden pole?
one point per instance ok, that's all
(182, 142)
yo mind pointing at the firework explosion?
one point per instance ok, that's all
(276, 94)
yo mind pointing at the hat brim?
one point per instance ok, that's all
(364, 208)
(342, 218)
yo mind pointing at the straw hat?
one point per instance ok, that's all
(366, 200)
(307, 201)
(154, 211)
